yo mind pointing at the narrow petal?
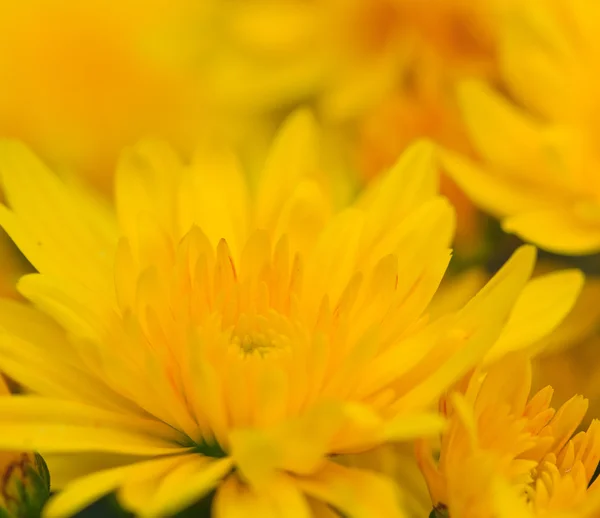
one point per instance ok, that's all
(293, 156)
(411, 182)
(505, 136)
(282, 499)
(30, 422)
(59, 231)
(213, 195)
(145, 182)
(181, 487)
(541, 307)
(477, 328)
(556, 230)
(353, 492)
(493, 192)
(83, 491)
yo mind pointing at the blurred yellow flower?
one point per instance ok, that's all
(506, 454)
(540, 154)
(207, 330)
(380, 72)
(82, 79)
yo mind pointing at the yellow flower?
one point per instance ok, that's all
(111, 72)
(501, 441)
(381, 72)
(220, 335)
(540, 158)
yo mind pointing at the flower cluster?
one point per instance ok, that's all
(257, 259)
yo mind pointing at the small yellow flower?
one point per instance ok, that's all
(540, 154)
(216, 335)
(501, 441)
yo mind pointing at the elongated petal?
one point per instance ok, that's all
(282, 499)
(30, 422)
(58, 231)
(178, 489)
(83, 491)
(478, 326)
(493, 192)
(145, 182)
(504, 136)
(541, 307)
(291, 158)
(354, 492)
(213, 195)
(556, 230)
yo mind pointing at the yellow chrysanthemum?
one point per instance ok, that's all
(215, 336)
(540, 171)
(505, 453)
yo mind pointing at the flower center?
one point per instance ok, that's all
(255, 343)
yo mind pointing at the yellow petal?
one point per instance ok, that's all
(478, 326)
(30, 422)
(354, 492)
(67, 467)
(506, 137)
(535, 60)
(333, 260)
(556, 230)
(409, 427)
(213, 195)
(293, 156)
(541, 307)
(281, 499)
(80, 493)
(145, 182)
(411, 182)
(180, 488)
(493, 192)
(59, 231)
(79, 310)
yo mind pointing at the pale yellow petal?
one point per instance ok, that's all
(56, 229)
(541, 307)
(85, 490)
(353, 492)
(293, 156)
(476, 329)
(79, 310)
(490, 190)
(181, 487)
(145, 182)
(31, 422)
(281, 499)
(533, 55)
(505, 136)
(556, 230)
(410, 183)
(213, 195)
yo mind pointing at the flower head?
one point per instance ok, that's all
(540, 159)
(197, 339)
(106, 80)
(506, 453)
